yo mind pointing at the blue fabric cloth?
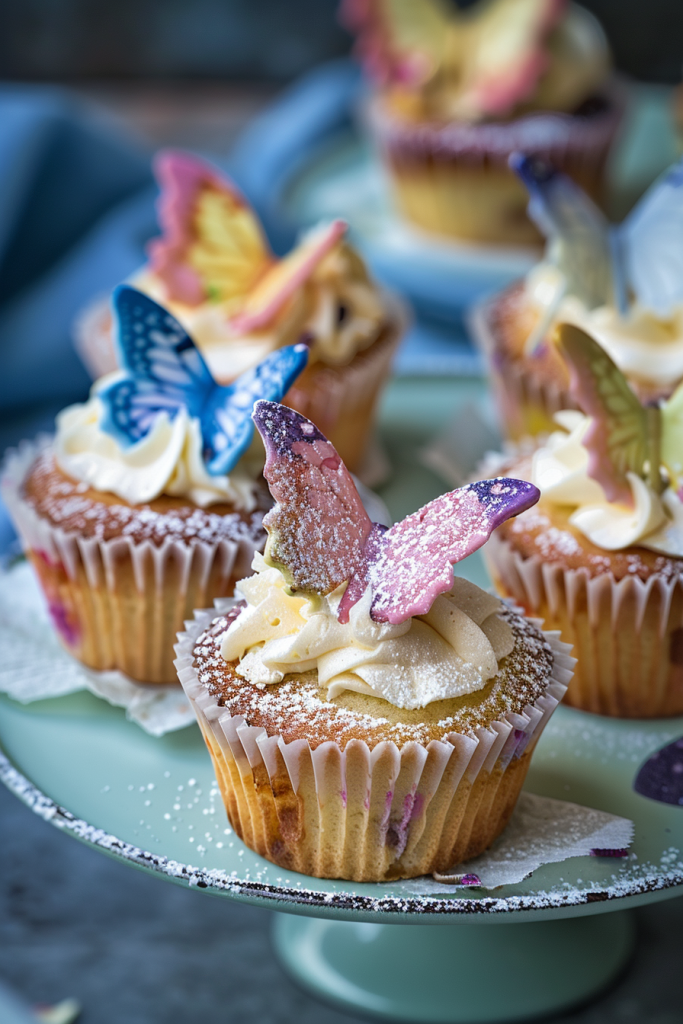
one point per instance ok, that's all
(76, 203)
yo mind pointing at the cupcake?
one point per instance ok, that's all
(369, 716)
(457, 91)
(600, 558)
(621, 285)
(148, 502)
(213, 269)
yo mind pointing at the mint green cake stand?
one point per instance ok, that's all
(394, 951)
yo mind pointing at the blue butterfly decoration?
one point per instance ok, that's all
(163, 371)
(641, 258)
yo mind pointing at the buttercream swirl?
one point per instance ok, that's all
(451, 651)
(340, 309)
(560, 471)
(645, 347)
(168, 460)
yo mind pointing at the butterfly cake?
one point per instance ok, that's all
(369, 716)
(600, 557)
(214, 271)
(456, 91)
(148, 502)
(621, 283)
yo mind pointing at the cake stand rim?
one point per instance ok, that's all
(349, 906)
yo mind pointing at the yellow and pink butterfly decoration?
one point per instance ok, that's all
(213, 249)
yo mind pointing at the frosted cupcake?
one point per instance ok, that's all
(457, 91)
(601, 556)
(213, 269)
(369, 717)
(149, 500)
(621, 284)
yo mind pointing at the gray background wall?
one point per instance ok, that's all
(255, 39)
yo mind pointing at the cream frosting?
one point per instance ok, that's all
(560, 471)
(168, 460)
(340, 282)
(451, 651)
(644, 347)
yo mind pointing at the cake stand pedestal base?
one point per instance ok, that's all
(460, 973)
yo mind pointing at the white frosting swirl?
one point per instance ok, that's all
(340, 282)
(644, 347)
(449, 652)
(167, 461)
(560, 471)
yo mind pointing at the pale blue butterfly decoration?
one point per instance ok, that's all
(640, 259)
(164, 372)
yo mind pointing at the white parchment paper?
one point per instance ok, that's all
(541, 831)
(34, 665)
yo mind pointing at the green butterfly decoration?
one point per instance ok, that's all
(624, 436)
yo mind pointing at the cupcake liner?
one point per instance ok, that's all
(525, 402)
(341, 400)
(118, 603)
(367, 813)
(627, 635)
(453, 178)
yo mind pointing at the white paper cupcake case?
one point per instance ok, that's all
(367, 813)
(627, 634)
(118, 603)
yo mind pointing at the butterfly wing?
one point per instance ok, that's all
(286, 277)
(414, 559)
(505, 53)
(672, 437)
(576, 230)
(318, 527)
(400, 41)
(227, 424)
(212, 246)
(617, 439)
(650, 244)
(162, 369)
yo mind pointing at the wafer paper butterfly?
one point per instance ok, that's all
(624, 436)
(320, 536)
(213, 247)
(163, 372)
(640, 259)
(496, 51)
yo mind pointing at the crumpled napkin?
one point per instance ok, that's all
(35, 666)
(541, 831)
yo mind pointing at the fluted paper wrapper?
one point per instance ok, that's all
(367, 813)
(119, 603)
(627, 635)
(452, 177)
(342, 400)
(525, 403)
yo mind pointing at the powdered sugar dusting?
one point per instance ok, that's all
(322, 537)
(65, 503)
(297, 707)
(415, 896)
(415, 557)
